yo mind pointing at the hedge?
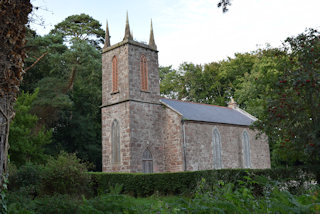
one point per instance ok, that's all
(138, 184)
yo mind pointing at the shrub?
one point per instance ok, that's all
(138, 184)
(46, 205)
(65, 175)
(27, 175)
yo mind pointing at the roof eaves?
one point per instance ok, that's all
(211, 122)
(194, 103)
(246, 114)
(173, 109)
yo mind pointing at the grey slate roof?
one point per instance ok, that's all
(208, 113)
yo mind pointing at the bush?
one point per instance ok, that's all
(26, 175)
(65, 175)
(46, 205)
(138, 184)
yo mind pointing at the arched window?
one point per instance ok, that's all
(144, 73)
(147, 161)
(246, 150)
(114, 74)
(216, 146)
(115, 141)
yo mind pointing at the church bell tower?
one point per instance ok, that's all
(130, 104)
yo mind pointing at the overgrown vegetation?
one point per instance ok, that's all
(222, 191)
(142, 185)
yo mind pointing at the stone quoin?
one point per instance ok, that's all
(143, 132)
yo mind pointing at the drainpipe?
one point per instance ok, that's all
(184, 146)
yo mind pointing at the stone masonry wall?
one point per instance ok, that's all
(121, 113)
(172, 137)
(146, 129)
(123, 76)
(129, 80)
(199, 152)
(153, 92)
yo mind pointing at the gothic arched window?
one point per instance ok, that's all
(216, 147)
(246, 150)
(147, 161)
(144, 73)
(115, 141)
(114, 74)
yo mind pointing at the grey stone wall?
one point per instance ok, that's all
(123, 76)
(172, 137)
(199, 153)
(121, 113)
(153, 92)
(146, 129)
(128, 54)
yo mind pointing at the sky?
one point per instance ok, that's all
(191, 30)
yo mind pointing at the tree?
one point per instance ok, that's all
(224, 4)
(169, 81)
(80, 27)
(79, 129)
(256, 84)
(69, 81)
(27, 143)
(13, 16)
(50, 50)
(291, 115)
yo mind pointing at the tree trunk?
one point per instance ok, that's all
(4, 133)
(13, 17)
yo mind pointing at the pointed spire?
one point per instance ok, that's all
(127, 34)
(152, 43)
(107, 37)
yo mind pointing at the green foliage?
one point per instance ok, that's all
(46, 204)
(62, 175)
(169, 82)
(69, 82)
(65, 175)
(27, 176)
(257, 85)
(186, 182)
(50, 65)
(219, 197)
(79, 127)
(27, 141)
(80, 27)
(245, 77)
(291, 115)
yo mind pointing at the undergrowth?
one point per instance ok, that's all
(221, 197)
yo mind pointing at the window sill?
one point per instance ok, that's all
(145, 91)
(115, 92)
(116, 163)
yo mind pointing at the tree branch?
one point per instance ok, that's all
(35, 62)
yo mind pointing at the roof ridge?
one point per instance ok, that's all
(198, 103)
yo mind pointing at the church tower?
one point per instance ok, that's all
(131, 111)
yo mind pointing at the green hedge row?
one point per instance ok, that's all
(137, 184)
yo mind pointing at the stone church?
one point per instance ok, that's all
(143, 132)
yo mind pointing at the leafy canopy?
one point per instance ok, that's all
(80, 27)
